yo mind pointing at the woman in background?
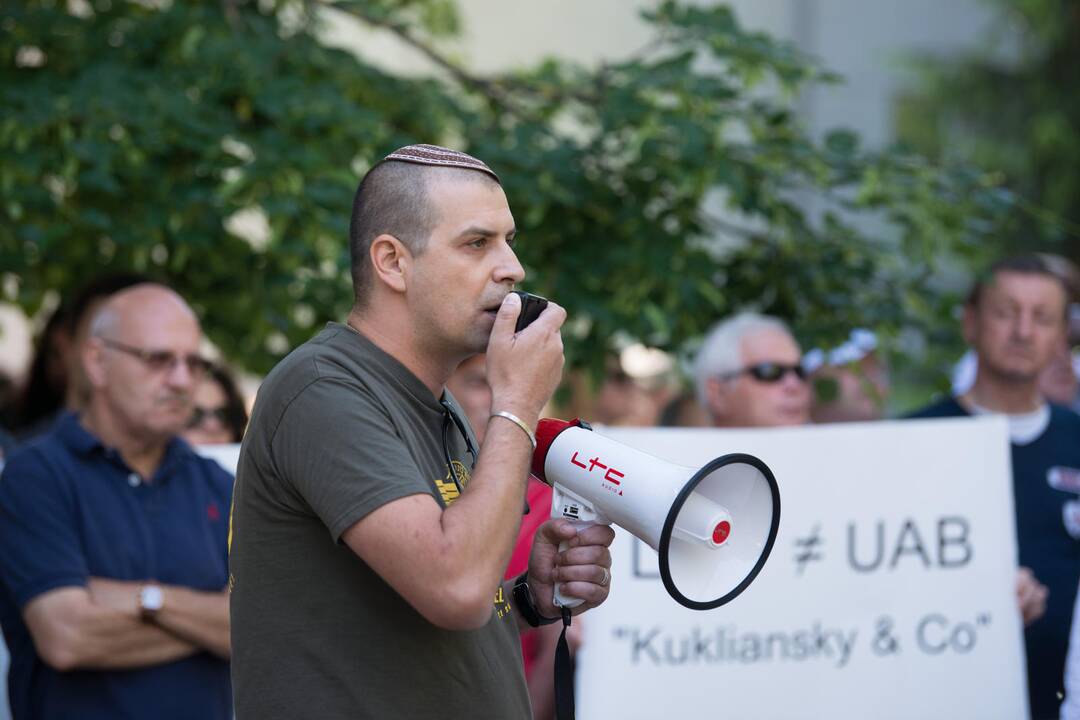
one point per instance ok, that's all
(219, 416)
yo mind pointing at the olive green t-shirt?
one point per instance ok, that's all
(339, 429)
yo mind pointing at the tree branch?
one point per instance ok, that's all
(494, 91)
(487, 88)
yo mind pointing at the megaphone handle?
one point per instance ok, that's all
(567, 601)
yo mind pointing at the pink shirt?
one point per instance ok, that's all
(538, 495)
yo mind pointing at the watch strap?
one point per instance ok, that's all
(523, 599)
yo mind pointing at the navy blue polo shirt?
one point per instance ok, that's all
(71, 509)
(1046, 491)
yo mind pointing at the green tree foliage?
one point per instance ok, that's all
(1012, 107)
(653, 194)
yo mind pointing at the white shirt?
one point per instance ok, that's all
(1024, 428)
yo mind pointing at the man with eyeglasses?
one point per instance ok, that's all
(1015, 320)
(369, 541)
(113, 535)
(749, 373)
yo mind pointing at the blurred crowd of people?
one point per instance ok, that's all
(56, 383)
(1021, 324)
(119, 390)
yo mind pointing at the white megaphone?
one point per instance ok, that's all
(714, 527)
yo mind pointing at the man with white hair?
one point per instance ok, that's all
(113, 535)
(749, 373)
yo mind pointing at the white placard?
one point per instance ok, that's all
(890, 592)
(227, 456)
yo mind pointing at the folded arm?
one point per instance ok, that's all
(72, 631)
(197, 617)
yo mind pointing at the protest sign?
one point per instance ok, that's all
(890, 592)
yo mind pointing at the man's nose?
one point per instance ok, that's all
(180, 375)
(509, 268)
(1024, 326)
(792, 383)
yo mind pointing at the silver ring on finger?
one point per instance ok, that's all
(606, 579)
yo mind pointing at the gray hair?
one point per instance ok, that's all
(721, 351)
(104, 322)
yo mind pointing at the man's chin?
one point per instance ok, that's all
(166, 425)
(479, 343)
(1017, 373)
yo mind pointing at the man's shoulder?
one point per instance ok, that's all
(43, 479)
(320, 389)
(1064, 416)
(947, 407)
(326, 357)
(1063, 432)
(41, 457)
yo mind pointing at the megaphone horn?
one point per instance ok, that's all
(713, 527)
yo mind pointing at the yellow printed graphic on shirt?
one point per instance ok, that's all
(228, 541)
(502, 603)
(446, 487)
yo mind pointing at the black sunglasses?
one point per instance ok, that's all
(768, 372)
(200, 414)
(450, 416)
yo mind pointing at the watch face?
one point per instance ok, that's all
(151, 598)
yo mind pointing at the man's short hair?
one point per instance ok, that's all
(393, 199)
(721, 352)
(1067, 270)
(1028, 264)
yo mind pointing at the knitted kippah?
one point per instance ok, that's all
(436, 155)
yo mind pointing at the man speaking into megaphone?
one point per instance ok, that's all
(370, 531)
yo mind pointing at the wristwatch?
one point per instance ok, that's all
(524, 600)
(151, 600)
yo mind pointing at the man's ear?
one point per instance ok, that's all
(390, 262)
(970, 324)
(717, 397)
(92, 356)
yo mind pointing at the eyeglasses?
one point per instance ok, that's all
(159, 361)
(448, 416)
(200, 415)
(768, 372)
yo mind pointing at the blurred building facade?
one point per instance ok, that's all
(865, 41)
